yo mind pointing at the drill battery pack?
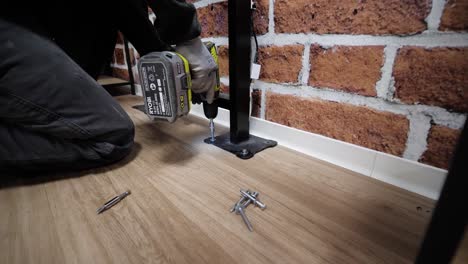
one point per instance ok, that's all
(166, 85)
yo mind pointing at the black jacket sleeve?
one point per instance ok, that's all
(176, 20)
(133, 22)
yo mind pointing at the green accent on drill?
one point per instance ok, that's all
(214, 53)
(189, 78)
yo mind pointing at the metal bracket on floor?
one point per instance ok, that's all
(245, 149)
(239, 141)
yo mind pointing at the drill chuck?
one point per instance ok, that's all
(211, 110)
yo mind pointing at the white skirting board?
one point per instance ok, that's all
(410, 175)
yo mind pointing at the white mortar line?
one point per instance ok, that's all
(440, 115)
(445, 119)
(429, 40)
(433, 20)
(435, 39)
(263, 100)
(263, 105)
(305, 71)
(384, 85)
(119, 66)
(416, 143)
(219, 41)
(271, 16)
(204, 3)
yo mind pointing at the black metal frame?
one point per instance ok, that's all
(239, 15)
(239, 141)
(450, 217)
(129, 66)
(131, 80)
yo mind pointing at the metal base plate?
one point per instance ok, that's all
(244, 150)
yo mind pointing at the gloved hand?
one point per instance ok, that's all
(202, 67)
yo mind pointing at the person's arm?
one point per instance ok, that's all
(177, 23)
(176, 20)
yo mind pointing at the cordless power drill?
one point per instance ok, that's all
(166, 86)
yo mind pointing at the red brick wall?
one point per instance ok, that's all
(390, 75)
(119, 64)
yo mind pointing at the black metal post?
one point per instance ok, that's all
(450, 216)
(129, 66)
(239, 67)
(239, 141)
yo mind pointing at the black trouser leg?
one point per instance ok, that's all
(53, 114)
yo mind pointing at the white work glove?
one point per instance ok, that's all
(202, 67)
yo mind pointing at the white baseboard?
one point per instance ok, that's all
(410, 175)
(138, 90)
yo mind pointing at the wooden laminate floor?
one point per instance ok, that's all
(178, 211)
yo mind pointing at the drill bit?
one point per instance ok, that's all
(212, 130)
(113, 201)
